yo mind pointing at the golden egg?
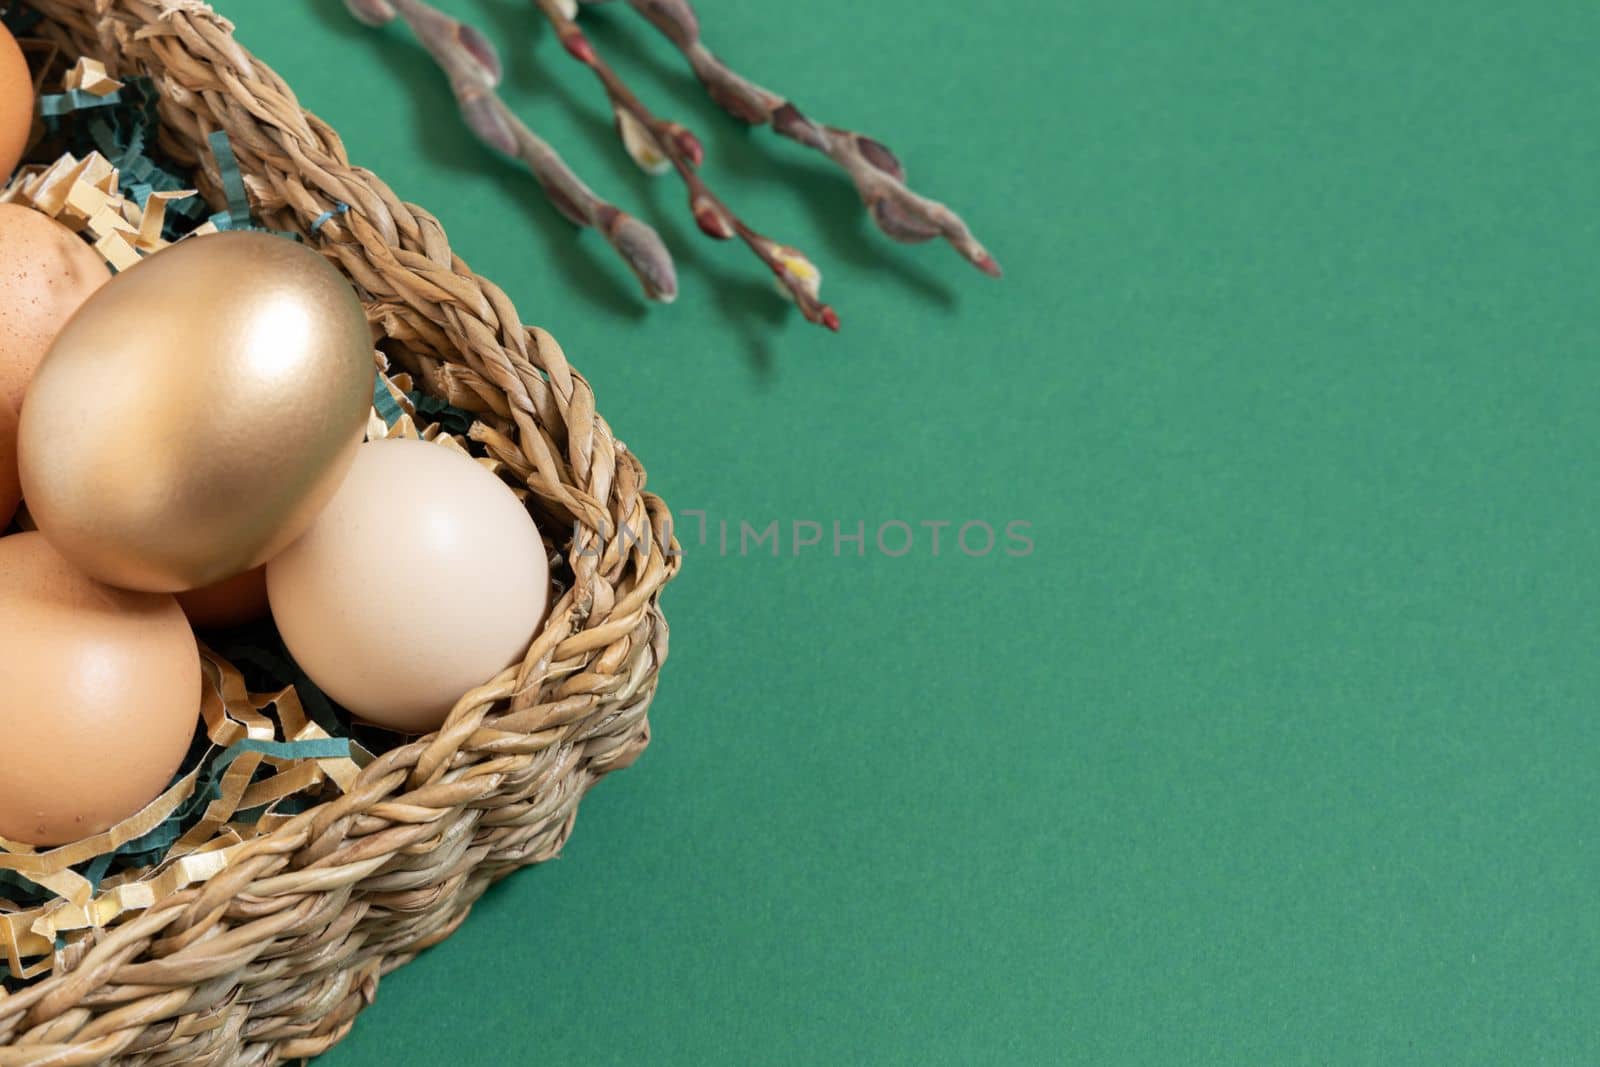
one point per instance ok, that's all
(100, 700)
(16, 104)
(196, 414)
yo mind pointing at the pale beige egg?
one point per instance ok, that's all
(421, 580)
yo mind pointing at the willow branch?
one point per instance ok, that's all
(877, 173)
(682, 150)
(469, 60)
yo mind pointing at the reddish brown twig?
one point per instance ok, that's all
(795, 274)
(473, 67)
(878, 175)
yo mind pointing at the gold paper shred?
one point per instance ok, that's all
(85, 196)
(342, 771)
(44, 189)
(155, 217)
(231, 789)
(296, 727)
(214, 710)
(223, 836)
(86, 206)
(98, 172)
(116, 250)
(230, 712)
(68, 885)
(46, 923)
(291, 712)
(19, 943)
(297, 779)
(107, 221)
(90, 76)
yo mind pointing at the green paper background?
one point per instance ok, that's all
(1280, 747)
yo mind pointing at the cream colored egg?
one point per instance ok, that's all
(422, 579)
(99, 697)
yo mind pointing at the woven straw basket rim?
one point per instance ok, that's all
(272, 958)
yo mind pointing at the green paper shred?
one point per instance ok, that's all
(96, 869)
(237, 215)
(388, 407)
(321, 748)
(451, 419)
(15, 887)
(121, 127)
(58, 104)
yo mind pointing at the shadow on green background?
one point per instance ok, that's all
(1279, 747)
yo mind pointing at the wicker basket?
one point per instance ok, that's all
(273, 957)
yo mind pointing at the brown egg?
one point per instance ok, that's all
(100, 699)
(10, 484)
(46, 273)
(16, 104)
(238, 600)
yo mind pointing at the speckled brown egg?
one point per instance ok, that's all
(100, 699)
(46, 273)
(10, 483)
(16, 103)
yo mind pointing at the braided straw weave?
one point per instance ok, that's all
(272, 958)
